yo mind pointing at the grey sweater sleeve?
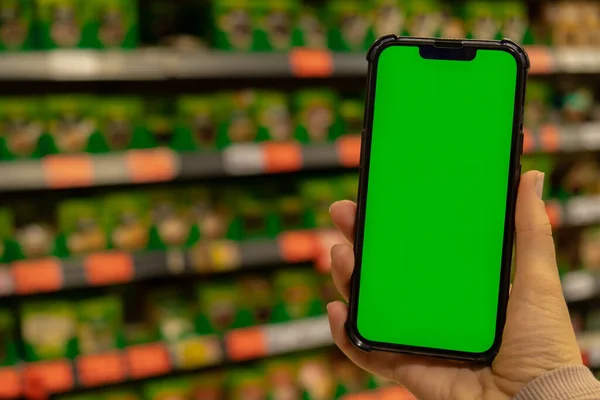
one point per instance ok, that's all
(574, 382)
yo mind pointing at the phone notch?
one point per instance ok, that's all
(452, 50)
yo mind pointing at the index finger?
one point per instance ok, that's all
(343, 215)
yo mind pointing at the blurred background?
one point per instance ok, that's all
(167, 168)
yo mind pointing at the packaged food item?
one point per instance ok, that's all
(247, 384)
(8, 340)
(61, 23)
(71, 123)
(351, 114)
(349, 25)
(312, 32)
(424, 18)
(34, 237)
(257, 294)
(100, 326)
(139, 333)
(170, 220)
(48, 329)
(589, 248)
(172, 314)
(538, 105)
(291, 212)
(120, 123)
(349, 187)
(515, 21)
(16, 25)
(167, 389)
(211, 215)
(160, 121)
(276, 22)
(274, 116)
(580, 177)
(317, 120)
(126, 218)
(483, 20)
(240, 124)
(112, 24)
(315, 378)
(235, 24)
(21, 128)
(319, 194)
(81, 228)
(219, 307)
(578, 105)
(350, 378)
(208, 386)
(389, 18)
(452, 25)
(297, 294)
(198, 122)
(282, 376)
(255, 213)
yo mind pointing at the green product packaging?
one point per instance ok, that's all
(389, 18)
(159, 118)
(112, 24)
(425, 18)
(240, 124)
(198, 121)
(515, 21)
(8, 341)
(208, 386)
(578, 105)
(349, 25)
(255, 215)
(211, 216)
(483, 20)
(319, 195)
(291, 212)
(282, 376)
(7, 230)
(538, 99)
(139, 333)
(34, 237)
(167, 389)
(274, 116)
(16, 25)
(100, 326)
(297, 293)
(81, 230)
(170, 220)
(589, 248)
(244, 384)
(315, 378)
(312, 32)
(276, 24)
(48, 329)
(350, 378)
(316, 113)
(120, 123)
(71, 124)
(126, 218)
(219, 308)
(257, 294)
(172, 315)
(349, 187)
(21, 128)
(351, 114)
(235, 25)
(61, 23)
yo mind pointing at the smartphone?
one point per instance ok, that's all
(439, 170)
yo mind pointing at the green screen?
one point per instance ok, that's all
(436, 200)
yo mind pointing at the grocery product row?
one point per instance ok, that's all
(33, 127)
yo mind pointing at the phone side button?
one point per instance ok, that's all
(521, 139)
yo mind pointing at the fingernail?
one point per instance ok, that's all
(539, 184)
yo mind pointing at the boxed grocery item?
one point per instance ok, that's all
(315, 377)
(21, 128)
(8, 341)
(172, 314)
(198, 122)
(316, 113)
(257, 294)
(71, 123)
(16, 25)
(167, 388)
(61, 23)
(208, 386)
(312, 32)
(483, 20)
(515, 21)
(247, 384)
(274, 116)
(351, 114)
(48, 329)
(34, 237)
(566, 23)
(112, 24)
(276, 22)
(297, 293)
(170, 220)
(349, 25)
(211, 215)
(240, 124)
(100, 326)
(126, 219)
(81, 228)
(120, 123)
(319, 194)
(219, 307)
(424, 18)
(235, 23)
(389, 18)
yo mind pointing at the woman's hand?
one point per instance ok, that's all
(538, 336)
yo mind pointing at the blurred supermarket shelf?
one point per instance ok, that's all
(31, 380)
(161, 165)
(110, 268)
(551, 138)
(160, 64)
(576, 211)
(589, 343)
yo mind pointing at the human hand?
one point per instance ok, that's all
(538, 336)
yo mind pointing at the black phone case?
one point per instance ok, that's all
(514, 176)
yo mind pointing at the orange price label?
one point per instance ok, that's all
(246, 344)
(148, 360)
(549, 138)
(108, 268)
(101, 369)
(49, 376)
(37, 276)
(157, 165)
(10, 387)
(68, 171)
(348, 149)
(298, 246)
(311, 63)
(541, 59)
(282, 157)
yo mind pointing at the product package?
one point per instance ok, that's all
(21, 128)
(8, 341)
(255, 214)
(198, 122)
(240, 124)
(349, 25)
(100, 326)
(276, 22)
(81, 228)
(274, 116)
(515, 21)
(351, 114)
(247, 384)
(350, 378)
(7, 230)
(578, 105)
(297, 293)
(35, 237)
(139, 333)
(172, 315)
(170, 220)
(257, 294)
(61, 23)
(389, 18)
(567, 23)
(235, 24)
(282, 376)
(71, 124)
(167, 388)
(319, 194)
(349, 187)
(291, 212)
(160, 121)
(312, 32)
(211, 216)
(589, 248)
(424, 18)
(483, 20)
(219, 307)
(126, 219)
(48, 329)
(316, 113)
(120, 123)
(16, 25)
(538, 104)
(315, 377)
(113, 23)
